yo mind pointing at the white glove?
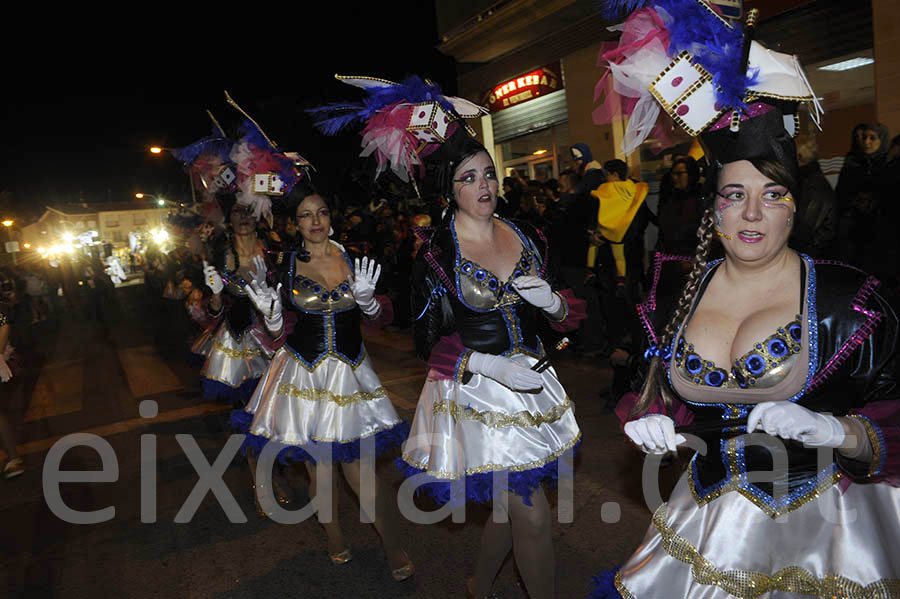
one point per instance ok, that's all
(363, 285)
(788, 420)
(5, 372)
(505, 371)
(258, 274)
(536, 291)
(212, 278)
(654, 433)
(268, 302)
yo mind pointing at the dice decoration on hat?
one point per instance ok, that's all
(686, 92)
(403, 122)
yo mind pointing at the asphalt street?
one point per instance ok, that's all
(81, 375)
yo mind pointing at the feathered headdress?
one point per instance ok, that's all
(263, 170)
(208, 162)
(404, 122)
(683, 57)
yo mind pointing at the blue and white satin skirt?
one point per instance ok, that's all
(469, 432)
(331, 413)
(233, 367)
(840, 544)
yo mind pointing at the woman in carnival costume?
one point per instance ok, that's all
(482, 288)
(320, 400)
(781, 365)
(241, 177)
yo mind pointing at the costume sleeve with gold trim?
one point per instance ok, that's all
(881, 420)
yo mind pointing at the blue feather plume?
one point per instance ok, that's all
(412, 89)
(616, 10)
(711, 43)
(212, 144)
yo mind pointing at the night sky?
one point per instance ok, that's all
(82, 102)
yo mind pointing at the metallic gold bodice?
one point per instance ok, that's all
(311, 296)
(483, 290)
(764, 366)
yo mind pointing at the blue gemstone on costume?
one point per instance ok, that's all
(492, 283)
(524, 262)
(335, 295)
(693, 363)
(317, 289)
(739, 377)
(715, 378)
(679, 351)
(777, 348)
(696, 380)
(796, 332)
(755, 364)
(666, 353)
(467, 267)
(509, 288)
(324, 297)
(758, 346)
(517, 273)
(345, 288)
(306, 283)
(480, 275)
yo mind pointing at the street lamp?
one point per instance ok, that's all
(161, 201)
(7, 223)
(156, 150)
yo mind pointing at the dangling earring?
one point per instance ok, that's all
(331, 231)
(790, 220)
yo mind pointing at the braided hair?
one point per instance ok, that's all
(653, 385)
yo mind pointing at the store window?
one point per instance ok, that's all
(536, 155)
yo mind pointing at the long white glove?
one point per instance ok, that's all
(536, 291)
(266, 299)
(363, 285)
(504, 370)
(212, 278)
(654, 433)
(788, 420)
(5, 372)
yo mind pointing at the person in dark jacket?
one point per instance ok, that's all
(815, 224)
(859, 203)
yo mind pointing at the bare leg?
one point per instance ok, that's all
(496, 541)
(385, 512)
(333, 526)
(533, 544)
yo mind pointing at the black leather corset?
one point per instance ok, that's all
(778, 475)
(320, 334)
(506, 329)
(238, 315)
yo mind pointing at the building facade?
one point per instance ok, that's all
(535, 64)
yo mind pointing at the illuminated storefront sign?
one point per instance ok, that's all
(523, 88)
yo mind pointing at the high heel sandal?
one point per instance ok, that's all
(259, 511)
(341, 557)
(405, 571)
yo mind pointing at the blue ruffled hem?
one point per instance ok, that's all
(237, 396)
(479, 488)
(240, 420)
(340, 452)
(605, 585)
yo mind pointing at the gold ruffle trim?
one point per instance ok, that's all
(746, 584)
(499, 419)
(493, 467)
(325, 395)
(325, 356)
(736, 484)
(877, 448)
(236, 354)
